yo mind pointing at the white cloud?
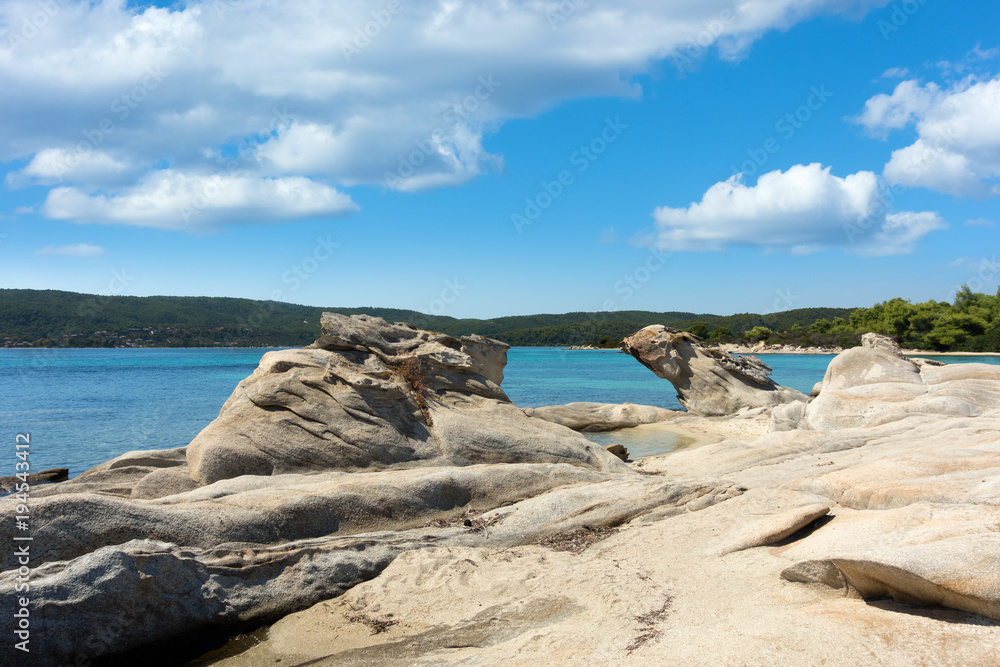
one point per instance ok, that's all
(55, 165)
(908, 101)
(980, 222)
(957, 150)
(74, 250)
(899, 233)
(169, 199)
(895, 73)
(970, 63)
(803, 210)
(201, 80)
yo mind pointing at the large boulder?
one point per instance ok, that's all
(597, 417)
(877, 384)
(369, 395)
(708, 382)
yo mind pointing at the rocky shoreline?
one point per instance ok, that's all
(761, 348)
(376, 499)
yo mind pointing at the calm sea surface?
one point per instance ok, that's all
(83, 407)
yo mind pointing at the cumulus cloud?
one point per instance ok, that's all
(74, 250)
(957, 150)
(169, 199)
(908, 102)
(345, 93)
(803, 210)
(56, 165)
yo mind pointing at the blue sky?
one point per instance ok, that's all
(241, 149)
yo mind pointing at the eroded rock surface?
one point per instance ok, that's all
(595, 417)
(248, 551)
(370, 395)
(708, 382)
(751, 550)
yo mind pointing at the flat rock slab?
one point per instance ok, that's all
(597, 417)
(773, 528)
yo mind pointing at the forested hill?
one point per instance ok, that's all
(56, 318)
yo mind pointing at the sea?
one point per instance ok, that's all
(84, 406)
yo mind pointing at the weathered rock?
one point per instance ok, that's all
(594, 417)
(913, 485)
(708, 382)
(876, 384)
(149, 458)
(875, 341)
(119, 476)
(117, 482)
(618, 450)
(198, 575)
(773, 528)
(370, 395)
(278, 508)
(923, 554)
(763, 348)
(50, 476)
(163, 482)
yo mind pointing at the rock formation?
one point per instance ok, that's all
(50, 476)
(708, 382)
(370, 395)
(596, 417)
(750, 550)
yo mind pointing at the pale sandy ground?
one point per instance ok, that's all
(654, 593)
(531, 606)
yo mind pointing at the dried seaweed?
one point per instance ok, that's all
(375, 624)
(649, 625)
(577, 541)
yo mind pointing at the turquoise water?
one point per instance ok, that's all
(83, 407)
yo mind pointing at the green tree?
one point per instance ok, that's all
(954, 329)
(758, 334)
(821, 325)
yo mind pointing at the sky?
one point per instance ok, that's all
(482, 159)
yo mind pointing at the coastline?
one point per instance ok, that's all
(921, 353)
(832, 352)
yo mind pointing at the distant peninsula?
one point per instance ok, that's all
(52, 318)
